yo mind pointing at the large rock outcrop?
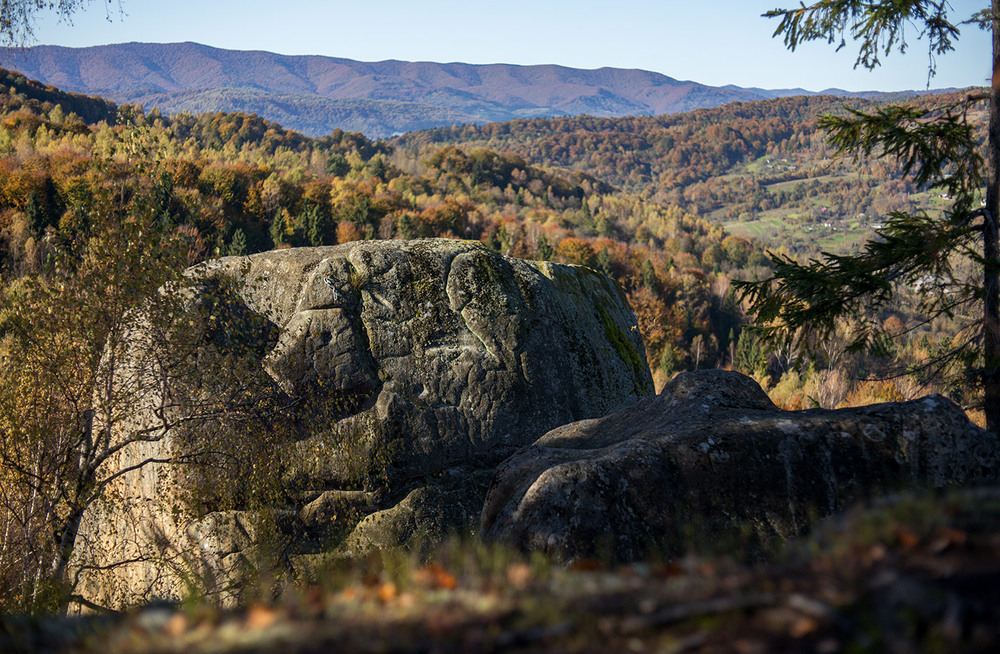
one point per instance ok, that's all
(712, 463)
(400, 374)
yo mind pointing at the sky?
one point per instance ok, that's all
(717, 42)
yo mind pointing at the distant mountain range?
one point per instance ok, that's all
(315, 94)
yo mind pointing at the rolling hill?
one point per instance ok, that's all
(315, 94)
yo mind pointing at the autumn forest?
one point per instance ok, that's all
(672, 207)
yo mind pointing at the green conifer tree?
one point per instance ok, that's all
(277, 230)
(545, 250)
(601, 225)
(748, 356)
(238, 244)
(36, 215)
(938, 148)
(405, 228)
(311, 223)
(337, 165)
(604, 262)
(668, 361)
(648, 274)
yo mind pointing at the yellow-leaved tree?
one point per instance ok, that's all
(108, 325)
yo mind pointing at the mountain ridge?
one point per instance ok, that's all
(299, 90)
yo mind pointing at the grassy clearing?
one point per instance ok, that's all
(777, 231)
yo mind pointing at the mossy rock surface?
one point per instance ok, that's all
(395, 363)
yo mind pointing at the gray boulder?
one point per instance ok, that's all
(711, 463)
(402, 373)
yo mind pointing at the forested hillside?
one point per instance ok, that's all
(235, 183)
(761, 169)
(673, 207)
(102, 205)
(32, 98)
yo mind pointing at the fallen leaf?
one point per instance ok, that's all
(518, 575)
(434, 576)
(260, 617)
(744, 646)
(387, 592)
(828, 646)
(876, 552)
(906, 538)
(176, 625)
(948, 538)
(803, 627)
(586, 565)
(671, 569)
(310, 603)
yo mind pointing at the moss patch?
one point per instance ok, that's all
(625, 349)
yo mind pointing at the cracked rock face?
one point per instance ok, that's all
(438, 359)
(711, 463)
(458, 353)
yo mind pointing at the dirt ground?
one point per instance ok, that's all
(918, 574)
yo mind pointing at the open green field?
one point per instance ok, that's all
(776, 232)
(802, 229)
(790, 184)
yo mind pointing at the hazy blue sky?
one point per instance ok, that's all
(715, 42)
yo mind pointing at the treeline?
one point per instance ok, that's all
(632, 197)
(18, 92)
(311, 114)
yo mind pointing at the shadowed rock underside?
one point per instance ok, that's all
(711, 463)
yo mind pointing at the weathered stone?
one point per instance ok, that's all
(330, 505)
(712, 463)
(399, 361)
(419, 522)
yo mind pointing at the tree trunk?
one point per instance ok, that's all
(64, 547)
(991, 247)
(5, 545)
